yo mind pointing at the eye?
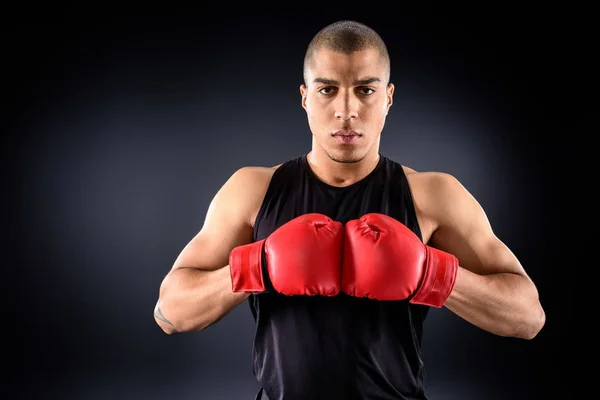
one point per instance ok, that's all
(326, 90)
(366, 91)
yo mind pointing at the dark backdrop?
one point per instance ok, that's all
(119, 130)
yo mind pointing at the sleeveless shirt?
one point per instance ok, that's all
(341, 347)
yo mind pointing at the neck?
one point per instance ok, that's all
(341, 174)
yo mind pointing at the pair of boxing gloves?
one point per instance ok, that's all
(376, 257)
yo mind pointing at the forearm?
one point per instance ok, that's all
(505, 304)
(193, 299)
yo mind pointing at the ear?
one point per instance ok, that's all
(303, 93)
(390, 97)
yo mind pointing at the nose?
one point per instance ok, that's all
(346, 107)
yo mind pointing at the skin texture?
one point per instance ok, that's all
(349, 94)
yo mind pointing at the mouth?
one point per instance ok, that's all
(346, 136)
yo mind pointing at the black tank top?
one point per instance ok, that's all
(342, 347)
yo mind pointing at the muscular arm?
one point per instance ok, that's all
(492, 289)
(196, 292)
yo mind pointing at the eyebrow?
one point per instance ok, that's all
(365, 81)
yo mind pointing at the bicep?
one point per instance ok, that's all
(209, 249)
(464, 230)
(227, 224)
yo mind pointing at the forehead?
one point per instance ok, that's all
(332, 64)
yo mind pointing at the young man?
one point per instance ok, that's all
(342, 251)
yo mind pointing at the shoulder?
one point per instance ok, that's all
(428, 179)
(437, 196)
(432, 180)
(248, 187)
(434, 187)
(243, 174)
(259, 176)
(252, 179)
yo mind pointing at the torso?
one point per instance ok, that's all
(338, 347)
(416, 180)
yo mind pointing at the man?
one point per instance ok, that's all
(342, 251)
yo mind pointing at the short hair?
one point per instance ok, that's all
(346, 37)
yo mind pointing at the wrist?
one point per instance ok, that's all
(439, 278)
(245, 265)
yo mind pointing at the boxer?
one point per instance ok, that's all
(341, 252)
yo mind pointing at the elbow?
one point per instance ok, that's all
(170, 325)
(173, 328)
(533, 317)
(536, 319)
(531, 325)
(536, 322)
(176, 323)
(167, 325)
(166, 328)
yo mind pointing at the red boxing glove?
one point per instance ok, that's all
(385, 260)
(302, 257)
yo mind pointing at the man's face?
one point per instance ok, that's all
(346, 100)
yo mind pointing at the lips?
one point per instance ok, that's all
(346, 133)
(346, 137)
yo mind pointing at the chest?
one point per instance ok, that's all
(294, 198)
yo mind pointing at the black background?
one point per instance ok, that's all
(118, 130)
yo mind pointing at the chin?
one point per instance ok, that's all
(345, 157)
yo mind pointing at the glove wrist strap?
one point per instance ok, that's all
(245, 264)
(439, 278)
